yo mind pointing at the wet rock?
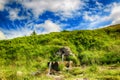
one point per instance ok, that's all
(65, 50)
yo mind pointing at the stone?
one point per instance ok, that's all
(65, 50)
(19, 73)
(37, 73)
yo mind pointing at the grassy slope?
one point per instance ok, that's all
(100, 46)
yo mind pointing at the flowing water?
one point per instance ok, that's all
(49, 68)
(62, 57)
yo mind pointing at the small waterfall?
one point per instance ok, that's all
(62, 57)
(49, 68)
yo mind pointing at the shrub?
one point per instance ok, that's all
(93, 68)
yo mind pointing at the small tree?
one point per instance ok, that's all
(33, 33)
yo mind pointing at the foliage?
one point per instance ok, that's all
(76, 71)
(87, 45)
(100, 46)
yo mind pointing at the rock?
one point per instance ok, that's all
(85, 79)
(19, 73)
(36, 73)
(58, 78)
(65, 50)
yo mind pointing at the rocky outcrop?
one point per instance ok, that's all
(64, 51)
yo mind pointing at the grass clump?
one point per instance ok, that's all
(76, 71)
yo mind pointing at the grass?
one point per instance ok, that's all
(26, 58)
(93, 72)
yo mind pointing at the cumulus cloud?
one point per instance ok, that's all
(2, 4)
(88, 17)
(27, 30)
(92, 17)
(116, 21)
(18, 32)
(2, 36)
(64, 7)
(13, 14)
(97, 20)
(115, 13)
(49, 26)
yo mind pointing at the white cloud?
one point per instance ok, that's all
(116, 21)
(13, 14)
(99, 5)
(2, 4)
(18, 32)
(61, 7)
(49, 26)
(97, 20)
(27, 30)
(88, 17)
(115, 13)
(2, 36)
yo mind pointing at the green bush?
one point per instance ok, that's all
(100, 46)
(89, 58)
(93, 68)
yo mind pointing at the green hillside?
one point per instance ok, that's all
(30, 53)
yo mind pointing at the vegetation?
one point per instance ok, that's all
(91, 48)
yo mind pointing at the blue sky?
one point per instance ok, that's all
(21, 17)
